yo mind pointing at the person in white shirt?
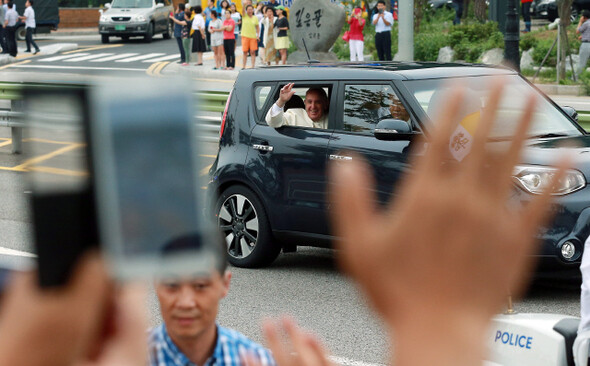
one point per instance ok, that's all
(5, 6)
(10, 20)
(30, 25)
(315, 114)
(383, 20)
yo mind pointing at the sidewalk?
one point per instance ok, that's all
(76, 31)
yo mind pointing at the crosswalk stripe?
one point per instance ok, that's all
(62, 57)
(163, 58)
(115, 57)
(87, 57)
(141, 57)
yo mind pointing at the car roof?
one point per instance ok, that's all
(370, 71)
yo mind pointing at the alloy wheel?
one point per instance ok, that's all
(238, 221)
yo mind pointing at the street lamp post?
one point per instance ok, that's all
(511, 37)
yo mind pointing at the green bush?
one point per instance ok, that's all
(426, 45)
(475, 33)
(528, 41)
(541, 49)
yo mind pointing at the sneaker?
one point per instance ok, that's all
(27, 50)
(36, 52)
(184, 64)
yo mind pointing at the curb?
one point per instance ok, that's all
(200, 72)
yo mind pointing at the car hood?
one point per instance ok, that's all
(127, 11)
(547, 152)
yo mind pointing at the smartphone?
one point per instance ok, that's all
(58, 171)
(381, 11)
(148, 187)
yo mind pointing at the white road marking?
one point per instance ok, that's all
(141, 57)
(88, 57)
(63, 57)
(14, 252)
(163, 58)
(28, 66)
(115, 57)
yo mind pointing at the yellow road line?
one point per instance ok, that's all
(5, 143)
(158, 70)
(16, 63)
(48, 141)
(205, 170)
(15, 169)
(71, 173)
(93, 48)
(208, 156)
(150, 70)
(50, 155)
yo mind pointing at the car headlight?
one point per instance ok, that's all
(139, 18)
(104, 18)
(535, 179)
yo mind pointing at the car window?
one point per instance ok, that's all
(132, 3)
(261, 94)
(366, 105)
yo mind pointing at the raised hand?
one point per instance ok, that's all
(285, 95)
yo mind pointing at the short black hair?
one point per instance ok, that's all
(181, 6)
(249, 6)
(194, 241)
(381, 2)
(214, 13)
(10, 4)
(31, 2)
(586, 13)
(198, 9)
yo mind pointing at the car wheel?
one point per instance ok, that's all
(104, 38)
(125, 38)
(149, 34)
(21, 33)
(244, 224)
(168, 33)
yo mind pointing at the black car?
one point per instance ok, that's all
(268, 186)
(547, 9)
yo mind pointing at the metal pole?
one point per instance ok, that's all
(558, 49)
(511, 37)
(405, 42)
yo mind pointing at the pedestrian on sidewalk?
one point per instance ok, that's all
(3, 43)
(282, 40)
(229, 41)
(458, 6)
(583, 30)
(30, 25)
(383, 21)
(237, 17)
(179, 23)
(526, 14)
(356, 41)
(216, 31)
(199, 36)
(207, 17)
(270, 35)
(10, 21)
(250, 30)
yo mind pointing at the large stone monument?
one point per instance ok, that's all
(319, 22)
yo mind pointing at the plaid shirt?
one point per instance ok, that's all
(230, 345)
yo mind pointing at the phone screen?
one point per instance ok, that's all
(57, 169)
(150, 200)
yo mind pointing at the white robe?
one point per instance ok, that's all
(277, 117)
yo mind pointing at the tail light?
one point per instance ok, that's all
(225, 114)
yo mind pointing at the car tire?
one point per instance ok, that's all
(21, 33)
(125, 38)
(104, 38)
(244, 224)
(149, 34)
(168, 33)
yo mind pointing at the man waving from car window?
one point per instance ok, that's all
(314, 115)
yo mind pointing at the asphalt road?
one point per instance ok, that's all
(305, 284)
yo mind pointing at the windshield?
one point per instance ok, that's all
(547, 120)
(132, 3)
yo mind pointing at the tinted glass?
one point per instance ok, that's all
(366, 105)
(261, 94)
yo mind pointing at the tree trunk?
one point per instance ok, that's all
(564, 9)
(479, 8)
(419, 10)
(465, 8)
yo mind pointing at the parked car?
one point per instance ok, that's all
(547, 9)
(267, 186)
(46, 17)
(131, 18)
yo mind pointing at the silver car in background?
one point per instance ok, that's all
(133, 18)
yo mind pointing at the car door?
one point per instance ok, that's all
(360, 107)
(288, 166)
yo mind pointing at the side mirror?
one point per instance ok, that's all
(107, 5)
(571, 111)
(393, 130)
(159, 5)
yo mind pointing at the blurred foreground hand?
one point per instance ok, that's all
(438, 263)
(82, 323)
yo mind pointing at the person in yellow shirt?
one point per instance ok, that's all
(250, 31)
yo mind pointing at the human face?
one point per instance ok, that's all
(227, 15)
(397, 109)
(250, 10)
(189, 306)
(269, 13)
(314, 105)
(381, 7)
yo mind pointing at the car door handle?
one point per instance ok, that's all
(340, 157)
(265, 148)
